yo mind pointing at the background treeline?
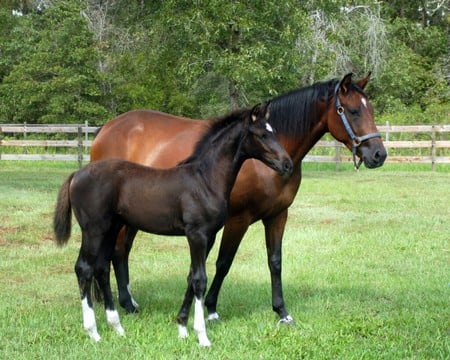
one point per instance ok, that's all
(67, 61)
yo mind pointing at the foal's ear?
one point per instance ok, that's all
(363, 82)
(261, 111)
(345, 83)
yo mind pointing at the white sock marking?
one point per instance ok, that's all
(199, 323)
(213, 316)
(89, 323)
(135, 304)
(112, 316)
(182, 331)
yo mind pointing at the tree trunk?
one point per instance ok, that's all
(234, 95)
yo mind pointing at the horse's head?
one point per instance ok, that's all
(262, 144)
(351, 121)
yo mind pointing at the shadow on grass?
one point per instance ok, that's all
(241, 299)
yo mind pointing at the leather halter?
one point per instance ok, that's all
(356, 140)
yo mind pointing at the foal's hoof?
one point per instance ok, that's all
(287, 320)
(130, 309)
(203, 341)
(213, 317)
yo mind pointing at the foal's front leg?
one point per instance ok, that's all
(196, 287)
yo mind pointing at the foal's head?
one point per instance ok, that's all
(262, 144)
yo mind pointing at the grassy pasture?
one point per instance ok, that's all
(366, 275)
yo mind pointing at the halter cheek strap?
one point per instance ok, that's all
(356, 140)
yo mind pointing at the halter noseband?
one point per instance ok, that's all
(356, 140)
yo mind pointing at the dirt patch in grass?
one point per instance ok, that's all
(5, 230)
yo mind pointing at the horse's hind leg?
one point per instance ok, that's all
(123, 246)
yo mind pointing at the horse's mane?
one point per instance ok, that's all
(97, 131)
(293, 113)
(216, 129)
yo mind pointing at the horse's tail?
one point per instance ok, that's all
(62, 218)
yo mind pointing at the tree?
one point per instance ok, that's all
(54, 78)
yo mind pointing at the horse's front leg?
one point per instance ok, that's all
(122, 250)
(233, 232)
(274, 229)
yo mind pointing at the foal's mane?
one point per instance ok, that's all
(217, 128)
(293, 113)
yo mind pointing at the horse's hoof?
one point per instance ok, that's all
(213, 317)
(287, 320)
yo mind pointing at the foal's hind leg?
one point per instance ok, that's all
(94, 260)
(102, 274)
(123, 246)
(84, 271)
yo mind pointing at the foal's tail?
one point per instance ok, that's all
(62, 218)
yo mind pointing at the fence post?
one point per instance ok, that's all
(433, 148)
(86, 137)
(337, 154)
(1, 142)
(387, 136)
(80, 146)
(24, 149)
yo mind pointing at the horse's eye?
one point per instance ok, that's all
(354, 111)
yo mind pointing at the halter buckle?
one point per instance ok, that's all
(356, 142)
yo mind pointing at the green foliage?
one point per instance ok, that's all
(54, 79)
(71, 61)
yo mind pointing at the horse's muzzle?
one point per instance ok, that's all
(375, 158)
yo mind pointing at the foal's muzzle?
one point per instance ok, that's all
(284, 167)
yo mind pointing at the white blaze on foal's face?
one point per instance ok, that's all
(269, 128)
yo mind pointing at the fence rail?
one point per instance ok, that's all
(82, 135)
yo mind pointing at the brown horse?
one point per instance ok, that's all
(190, 199)
(300, 118)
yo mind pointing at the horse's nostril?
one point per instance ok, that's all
(379, 156)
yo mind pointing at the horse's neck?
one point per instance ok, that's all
(299, 146)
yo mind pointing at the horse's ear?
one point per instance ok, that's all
(363, 82)
(346, 82)
(260, 110)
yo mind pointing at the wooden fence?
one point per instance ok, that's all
(426, 144)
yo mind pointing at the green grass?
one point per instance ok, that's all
(365, 269)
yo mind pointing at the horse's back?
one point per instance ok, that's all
(148, 137)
